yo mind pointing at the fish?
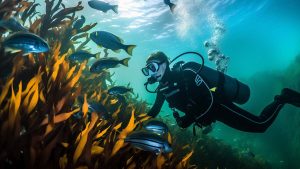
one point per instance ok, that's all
(156, 126)
(79, 23)
(116, 90)
(103, 6)
(171, 5)
(149, 141)
(82, 55)
(13, 25)
(93, 106)
(110, 41)
(106, 63)
(26, 42)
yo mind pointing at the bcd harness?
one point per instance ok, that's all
(175, 88)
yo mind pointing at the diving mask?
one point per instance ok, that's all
(151, 68)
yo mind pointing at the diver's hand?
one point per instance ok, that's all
(178, 119)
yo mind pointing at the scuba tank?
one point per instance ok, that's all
(227, 87)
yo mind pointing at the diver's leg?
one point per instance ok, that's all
(235, 117)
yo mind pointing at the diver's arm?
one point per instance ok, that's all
(159, 101)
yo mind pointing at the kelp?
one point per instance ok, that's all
(38, 128)
(7, 7)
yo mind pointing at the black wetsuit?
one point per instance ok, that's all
(184, 92)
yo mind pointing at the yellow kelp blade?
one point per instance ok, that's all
(80, 147)
(65, 144)
(15, 102)
(29, 85)
(169, 138)
(70, 73)
(160, 160)
(118, 126)
(115, 114)
(94, 94)
(128, 128)
(61, 117)
(113, 101)
(77, 76)
(132, 166)
(102, 133)
(5, 89)
(117, 146)
(34, 99)
(49, 128)
(96, 150)
(185, 147)
(183, 162)
(56, 67)
(63, 161)
(42, 97)
(142, 115)
(129, 160)
(18, 98)
(82, 167)
(82, 133)
(85, 106)
(11, 117)
(84, 137)
(145, 118)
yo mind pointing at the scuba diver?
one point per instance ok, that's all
(206, 95)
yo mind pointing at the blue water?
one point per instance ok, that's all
(260, 36)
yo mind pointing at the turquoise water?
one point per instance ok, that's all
(262, 38)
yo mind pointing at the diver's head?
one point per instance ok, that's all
(157, 65)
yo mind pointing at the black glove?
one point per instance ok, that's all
(178, 119)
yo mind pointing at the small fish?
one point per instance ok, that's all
(106, 63)
(13, 25)
(156, 127)
(79, 23)
(94, 107)
(149, 142)
(171, 5)
(102, 6)
(82, 55)
(26, 42)
(110, 41)
(116, 90)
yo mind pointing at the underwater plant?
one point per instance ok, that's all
(38, 96)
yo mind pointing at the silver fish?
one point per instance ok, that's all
(26, 42)
(156, 126)
(149, 142)
(79, 23)
(106, 63)
(110, 41)
(13, 25)
(82, 55)
(119, 90)
(103, 6)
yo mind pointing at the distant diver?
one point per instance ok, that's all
(206, 95)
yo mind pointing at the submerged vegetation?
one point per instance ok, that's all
(44, 125)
